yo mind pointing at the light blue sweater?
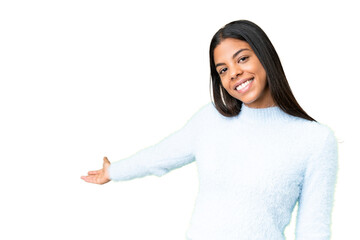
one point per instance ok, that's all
(253, 168)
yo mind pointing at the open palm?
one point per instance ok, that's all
(99, 176)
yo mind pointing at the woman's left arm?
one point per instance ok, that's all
(317, 194)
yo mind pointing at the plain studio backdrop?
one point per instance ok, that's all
(85, 79)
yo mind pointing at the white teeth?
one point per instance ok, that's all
(241, 86)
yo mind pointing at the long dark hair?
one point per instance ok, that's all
(265, 51)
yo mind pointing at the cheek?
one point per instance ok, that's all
(260, 72)
(226, 86)
(224, 83)
(263, 75)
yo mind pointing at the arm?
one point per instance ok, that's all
(317, 194)
(172, 152)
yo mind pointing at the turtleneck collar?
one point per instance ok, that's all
(269, 114)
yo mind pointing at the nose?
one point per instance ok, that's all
(235, 72)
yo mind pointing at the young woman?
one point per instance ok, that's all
(257, 151)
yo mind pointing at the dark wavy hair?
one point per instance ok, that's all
(265, 51)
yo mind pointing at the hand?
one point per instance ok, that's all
(100, 176)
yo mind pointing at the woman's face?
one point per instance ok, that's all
(242, 74)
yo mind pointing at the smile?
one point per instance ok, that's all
(243, 85)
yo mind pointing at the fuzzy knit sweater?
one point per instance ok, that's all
(253, 168)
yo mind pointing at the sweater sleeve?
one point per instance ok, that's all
(317, 194)
(174, 151)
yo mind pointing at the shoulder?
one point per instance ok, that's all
(326, 137)
(207, 111)
(206, 117)
(311, 136)
(320, 137)
(201, 115)
(320, 131)
(209, 108)
(323, 147)
(311, 129)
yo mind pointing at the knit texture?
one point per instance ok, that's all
(253, 168)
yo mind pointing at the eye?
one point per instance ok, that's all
(222, 71)
(242, 59)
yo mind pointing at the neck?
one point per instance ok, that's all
(265, 114)
(263, 106)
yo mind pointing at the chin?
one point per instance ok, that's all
(248, 101)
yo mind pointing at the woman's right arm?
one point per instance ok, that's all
(174, 151)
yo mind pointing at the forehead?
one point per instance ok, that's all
(228, 47)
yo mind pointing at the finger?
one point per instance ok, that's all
(85, 178)
(106, 160)
(89, 179)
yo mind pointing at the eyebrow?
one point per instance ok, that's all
(234, 56)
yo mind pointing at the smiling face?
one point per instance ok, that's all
(241, 73)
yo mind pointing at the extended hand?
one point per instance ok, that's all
(100, 176)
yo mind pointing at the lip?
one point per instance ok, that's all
(241, 81)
